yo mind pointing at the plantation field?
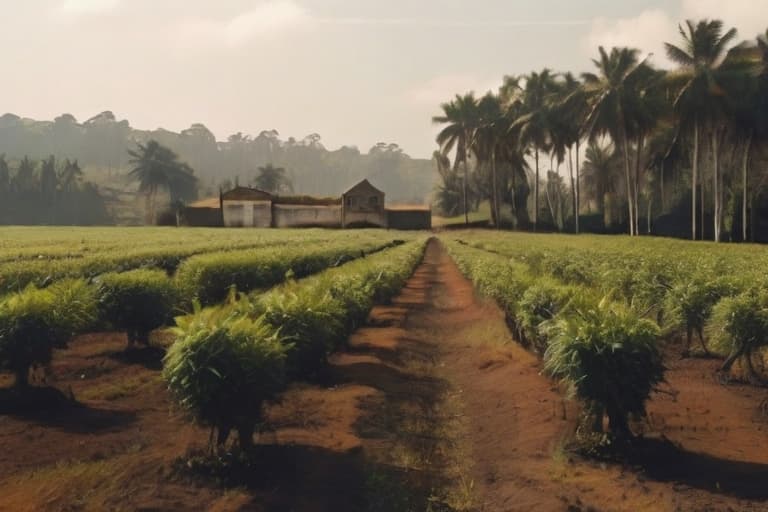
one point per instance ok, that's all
(373, 370)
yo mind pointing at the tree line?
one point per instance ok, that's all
(678, 151)
(48, 191)
(101, 145)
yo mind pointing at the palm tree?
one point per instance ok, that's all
(448, 193)
(70, 174)
(273, 179)
(570, 106)
(699, 102)
(157, 167)
(462, 118)
(533, 127)
(489, 143)
(613, 95)
(601, 173)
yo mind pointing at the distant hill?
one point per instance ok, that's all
(100, 144)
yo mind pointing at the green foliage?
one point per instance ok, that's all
(137, 302)
(311, 320)
(222, 367)
(688, 305)
(540, 303)
(35, 321)
(739, 325)
(609, 357)
(209, 277)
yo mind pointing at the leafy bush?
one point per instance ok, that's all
(689, 304)
(740, 325)
(540, 303)
(137, 302)
(35, 321)
(222, 367)
(608, 356)
(209, 277)
(311, 320)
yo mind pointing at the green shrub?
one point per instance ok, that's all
(609, 357)
(740, 325)
(222, 367)
(310, 320)
(137, 302)
(35, 321)
(540, 303)
(688, 306)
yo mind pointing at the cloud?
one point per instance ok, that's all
(745, 15)
(267, 19)
(444, 23)
(647, 32)
(80, 7)
(442, 88)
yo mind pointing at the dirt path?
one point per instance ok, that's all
(514, 420)
(433, 404)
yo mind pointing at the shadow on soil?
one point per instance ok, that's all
(664, 461)
(150, 357)
(51, 407)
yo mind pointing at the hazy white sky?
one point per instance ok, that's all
(355, 71)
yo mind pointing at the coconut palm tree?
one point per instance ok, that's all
(601, 173)
(613, 96)
(533, 127)
(488, 144)
(273, 179)
(702, 81)
(70, 174)
(156, 167)
(462, 119)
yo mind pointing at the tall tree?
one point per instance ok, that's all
(533, 128)
(273, 180)
(613, 93)
(698, 103)
(462, 119)
(156, 167)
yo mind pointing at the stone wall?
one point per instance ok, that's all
(247, 213)
(290, 215)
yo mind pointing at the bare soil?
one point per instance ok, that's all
(432, 405)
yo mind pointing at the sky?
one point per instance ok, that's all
(357, 72)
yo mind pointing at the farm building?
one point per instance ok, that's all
(362, 205)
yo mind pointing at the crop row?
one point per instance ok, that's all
(36, 320)
(227, 360)
(546, 287)
(18, 273)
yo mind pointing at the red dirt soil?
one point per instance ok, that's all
(438, 364)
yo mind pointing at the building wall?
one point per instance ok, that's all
(409, 219)
(365, 218)
(288, 215)
(247, 213)
(202, 217)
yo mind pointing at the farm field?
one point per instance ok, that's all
(395, 372)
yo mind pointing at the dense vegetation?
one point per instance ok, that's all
(676, 152)
(45, 311)
(101, 146)
(599, 309)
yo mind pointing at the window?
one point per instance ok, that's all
(373, 201)
(349, 201)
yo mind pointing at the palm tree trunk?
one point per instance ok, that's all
(695, 175)
(464, 185)
(578, 190)
(640, 142)
(536, 194)
(661, 186)
(573, 189)
(494, 190)
(628, 176)
(744, 172)
(716, 182)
